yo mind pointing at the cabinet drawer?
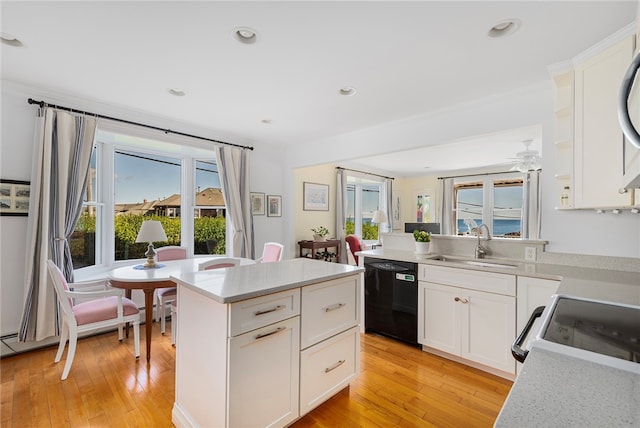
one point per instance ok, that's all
(329, 308)
(472, 279)
(328, 367)
(254, 313)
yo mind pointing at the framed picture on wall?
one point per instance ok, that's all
(14, 197)
(315, 197)
(274, 206)
(257, 203)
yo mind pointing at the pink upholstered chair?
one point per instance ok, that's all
(99, 309)
(217, 263)
(168, 294)
(354, 245)
(271, 252)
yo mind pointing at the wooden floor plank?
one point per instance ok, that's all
(399, 385)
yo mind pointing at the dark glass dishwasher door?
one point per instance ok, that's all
(391, 299)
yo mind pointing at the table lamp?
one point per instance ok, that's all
(379, 217)
(151, 231)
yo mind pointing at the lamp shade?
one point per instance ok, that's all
(151, 231)
(379, 217)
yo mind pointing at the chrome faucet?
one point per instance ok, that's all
(480, 250)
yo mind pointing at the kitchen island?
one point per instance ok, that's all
(262, 345)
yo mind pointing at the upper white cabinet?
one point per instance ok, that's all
(598, 144)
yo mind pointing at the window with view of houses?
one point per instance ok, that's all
(133, 179)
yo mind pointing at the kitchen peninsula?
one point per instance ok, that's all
(262, 345)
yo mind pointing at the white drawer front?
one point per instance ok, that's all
(327, 368)
(254, 313)
(472, 279)
(329, 308)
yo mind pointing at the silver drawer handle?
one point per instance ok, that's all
(268, 311)
(334, 307)
(277, 330)
(335, 366)
(458, 299)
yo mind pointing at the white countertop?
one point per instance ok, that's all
(245, 282)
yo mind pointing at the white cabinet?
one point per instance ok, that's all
(329, 339)
(598, 145)
(468, 313)
(263, 375)
(243, 365)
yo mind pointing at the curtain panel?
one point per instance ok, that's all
(388, 197)
(61, 156)
(233, 167)
(341, 213)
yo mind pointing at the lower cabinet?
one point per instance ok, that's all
(264, 370)
(468, 314)
(474, 325)
(328, 367)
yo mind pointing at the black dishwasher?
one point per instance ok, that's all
(391, 299)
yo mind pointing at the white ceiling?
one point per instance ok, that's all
(404, 59)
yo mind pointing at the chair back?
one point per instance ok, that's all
(354, 245)
(222, 262)
(272, 252)
(171, 252)
(60, 285)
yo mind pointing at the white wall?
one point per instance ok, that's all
(15, 163)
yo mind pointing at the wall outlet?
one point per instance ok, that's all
(530, 254)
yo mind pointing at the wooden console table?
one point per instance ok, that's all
(310, 249)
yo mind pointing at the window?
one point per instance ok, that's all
(493, 200)
(84, 251)
(146, 186)
(209, 213)
(132, 179)
(364, 197)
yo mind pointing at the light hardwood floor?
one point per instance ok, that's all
(398, 386)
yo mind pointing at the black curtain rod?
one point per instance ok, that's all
(363, 172)
(43, 104)
(484, 173)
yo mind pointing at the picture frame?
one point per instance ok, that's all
(274, 206)
(257, 203)
(14, 197)
(315, 197)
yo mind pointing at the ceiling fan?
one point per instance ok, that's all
(528, 160)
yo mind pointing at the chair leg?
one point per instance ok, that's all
(64, 335)
(73, 340)
(162, 316)
(157, 299)
(136, 338)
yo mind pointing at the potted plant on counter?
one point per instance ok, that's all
(320, 233)
(422, 239)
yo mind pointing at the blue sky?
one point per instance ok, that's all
(142, 176)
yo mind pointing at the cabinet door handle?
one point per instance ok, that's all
(268, 311)
(463, 300)
(334, 307)
(277, 330)
(335, 366)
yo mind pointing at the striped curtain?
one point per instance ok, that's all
(62, 152)
(233, 167)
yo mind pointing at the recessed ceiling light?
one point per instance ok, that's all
(245, 35)
(177, 92)
(347, 91)
(504, 28)
(267, 121)
(10, 40)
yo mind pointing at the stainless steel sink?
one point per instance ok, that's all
(480, 263)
